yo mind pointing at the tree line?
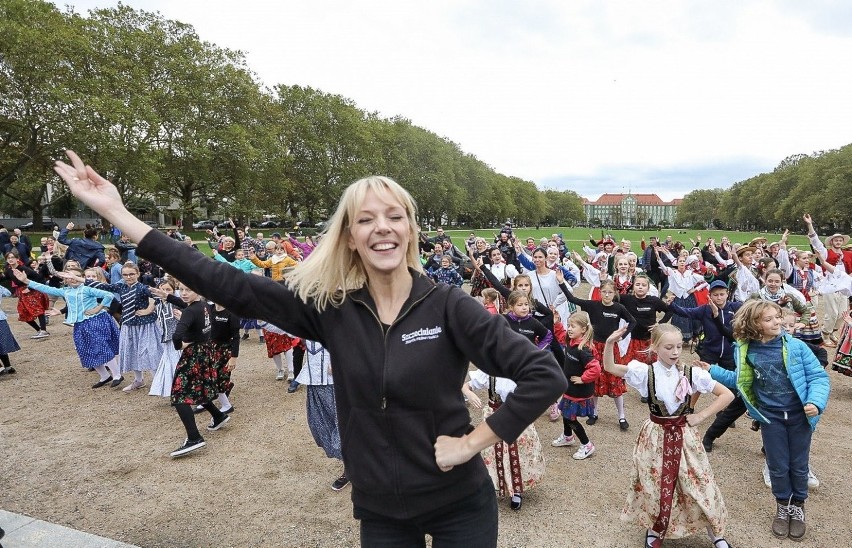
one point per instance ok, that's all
(820, 183)
(169, 117)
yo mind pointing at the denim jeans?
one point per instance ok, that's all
(787, 440)
(470, 522)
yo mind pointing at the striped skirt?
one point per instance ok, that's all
(140, 347)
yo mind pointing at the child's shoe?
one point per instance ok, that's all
(813, 482)
(781, 523)
(585, 451)
(516, 501)
(563, 441)
(554, 413)
(797, 529)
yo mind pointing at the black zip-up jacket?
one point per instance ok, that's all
(397, 391)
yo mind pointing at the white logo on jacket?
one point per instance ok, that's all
(422, 334)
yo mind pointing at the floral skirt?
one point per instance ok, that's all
(278, 343)
(608, 384)
(843, 358)
(31, 305)
(195, 376)
(697, 501)
(221, 355)
(514, 467)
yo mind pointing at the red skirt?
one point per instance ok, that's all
(640, 351)
(278, 343)
(608, 384)
(31, 305)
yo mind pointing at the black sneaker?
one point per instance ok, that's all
(592, 420)
(215, 425)
(117, 382)
(245, 336)
(293, 387)
(340, 482)
(623, 424)
(102, 383)
(188, 447)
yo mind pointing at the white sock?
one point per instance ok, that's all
(137, 376)
(595, 405)
(714, 538)
(276, 359)
(289, 357)
(112, 365)
(224, 402)
(619, 406)
(102, 371)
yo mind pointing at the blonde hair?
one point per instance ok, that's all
(99, 273)
(581, 319)
(332, 268)
(490, 294)
(662, 330)
(747, 319)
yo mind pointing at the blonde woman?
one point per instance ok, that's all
(402, 346)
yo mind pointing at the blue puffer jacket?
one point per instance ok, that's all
(806, 375)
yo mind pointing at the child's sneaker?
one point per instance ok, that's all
(813, 482)
(563, 441)
(555, 413)
(585, 451)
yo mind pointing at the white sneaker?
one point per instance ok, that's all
(585, 451)
(290, 376)
(40, 335)
(766, 478)
(813, 482)
(280, 376)
(563, 441)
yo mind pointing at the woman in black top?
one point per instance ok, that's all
(606, 315)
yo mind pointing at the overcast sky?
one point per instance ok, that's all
(592, 96)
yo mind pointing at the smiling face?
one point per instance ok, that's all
(773, 282)
(539, 260)
(622, 266)
(380, 233)
(769, 323)
(496, 256)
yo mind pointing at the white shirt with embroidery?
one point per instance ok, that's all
(666, 381)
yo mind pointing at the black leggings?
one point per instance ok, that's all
(568, 426)
(298, 358)
(187, 417)
(40, 326)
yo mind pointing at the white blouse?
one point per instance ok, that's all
(666, 381)
(502, 385)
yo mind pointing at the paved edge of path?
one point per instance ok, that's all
(25, 532)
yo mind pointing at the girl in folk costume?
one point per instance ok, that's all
(496, 265)
(582, 369)
(8, 344)
(622, 278)
(140, 347)
(803, 277)
(673, 493)
(31, 304)
(478, 250)
(167, 304)
(840, 283)
(785, 296)
(280, 342)
(195, 374)
(95, 333)
(606, 315)
(683, 283)
(644, 308)
(225, 347)
(514, 467)
(320, 407)
(831, 252)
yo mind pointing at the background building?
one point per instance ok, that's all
(630, 210)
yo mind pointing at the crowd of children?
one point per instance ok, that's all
(748, 311)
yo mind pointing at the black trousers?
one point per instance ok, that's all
(726, 417)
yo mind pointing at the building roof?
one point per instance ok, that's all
(641, 199)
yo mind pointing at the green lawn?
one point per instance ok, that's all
(575, 237)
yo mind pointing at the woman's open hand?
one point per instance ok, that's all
(87, 186)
